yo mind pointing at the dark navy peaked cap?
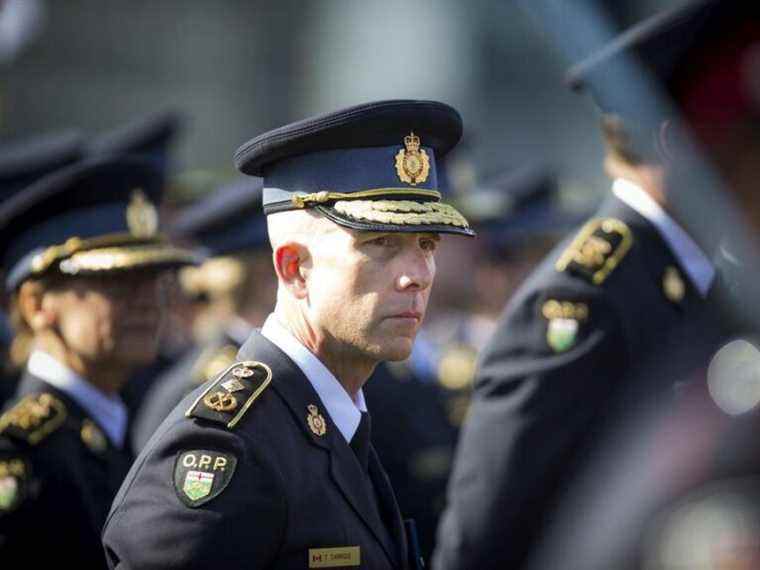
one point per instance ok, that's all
(703, 53)
(229, 220)
(95, 216)
(25, 160)
(370, 167)
(149, 136)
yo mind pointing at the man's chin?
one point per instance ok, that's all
(399, 349)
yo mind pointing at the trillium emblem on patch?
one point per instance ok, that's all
(200, 475)
(8, 492)
(198, 484)
(561, 334)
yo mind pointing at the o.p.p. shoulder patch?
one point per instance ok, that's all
(228, 397)
(202, 474)
(597, 249)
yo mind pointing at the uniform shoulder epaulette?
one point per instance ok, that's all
(212, 361)
(33, 418)
(597, 250)
(228, 397)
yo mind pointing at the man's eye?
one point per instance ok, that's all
(428, 244)
(382, 241)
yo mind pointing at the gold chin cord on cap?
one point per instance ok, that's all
(305, 200)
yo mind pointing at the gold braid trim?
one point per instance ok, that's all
(109, 258)
(50, 255)
(402, 212)
(305, 200)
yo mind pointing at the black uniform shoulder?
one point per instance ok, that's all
(33, 418)
(232, 393)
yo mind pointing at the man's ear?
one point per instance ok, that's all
(38, 314)
(291, 263)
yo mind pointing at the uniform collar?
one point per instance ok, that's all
(109, 412)
(689, 255)
(345, 413)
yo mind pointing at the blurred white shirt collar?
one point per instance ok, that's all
(697, 265)
(109, 412)
(345, 412)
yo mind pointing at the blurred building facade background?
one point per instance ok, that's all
(239, 67)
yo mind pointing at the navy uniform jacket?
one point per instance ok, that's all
(569, 348)
(58, 477)
(415, 441)
(290, 486)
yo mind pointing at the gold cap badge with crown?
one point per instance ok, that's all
(412, 162)
(142, 217)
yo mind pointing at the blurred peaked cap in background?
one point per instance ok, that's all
(229, 220)
(369, 167)
(518, 205)
(22, 161)
(95, 215)
(149, 136)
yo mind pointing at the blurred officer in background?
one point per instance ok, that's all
(570, 353)
(271, 463)
(21, 163)
(151, 137)
(238, 283)
(675, 485)
(84, 264)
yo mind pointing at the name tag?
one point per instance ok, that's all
(334, 557)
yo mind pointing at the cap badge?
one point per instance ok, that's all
(142, 217)
(412, 162)
(316, 421)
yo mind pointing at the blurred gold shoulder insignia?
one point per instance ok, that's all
(456, 368)
(412, 162)
(230, 395)
(597, 250)
(213, 361)
(33, 418)
(93, 437)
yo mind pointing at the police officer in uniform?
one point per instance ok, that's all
(675, 485)
(21, 163)
(151, 137)
(571, 347)
(238, 282)
(270, 465)
(84, 266)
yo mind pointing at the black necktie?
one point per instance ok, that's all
(361, 440)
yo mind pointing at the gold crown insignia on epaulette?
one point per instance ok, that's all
(33, 418)
(228, 397)
(597, 249)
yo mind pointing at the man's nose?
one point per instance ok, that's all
(418, 272)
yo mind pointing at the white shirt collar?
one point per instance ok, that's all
(109, 412)
(697, 265)
(345, 412)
